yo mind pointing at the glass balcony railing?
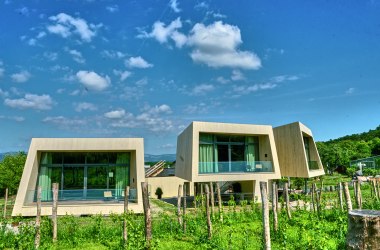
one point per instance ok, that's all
(235, 167)
(313, 165)
(82, 195)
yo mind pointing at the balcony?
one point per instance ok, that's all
(235, 167)
(313, 165)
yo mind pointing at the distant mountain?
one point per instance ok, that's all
(164, 157)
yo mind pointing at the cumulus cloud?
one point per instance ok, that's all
(216, 46)
(162, 33)
(1, 69)
(150, 118)
(3, 93)
(79, 107)
(122, 74)
(77, 55)
(137, 62)
(350, 91)
(223, 80)
(13, 118)
(31, 101)
(64, 122)
(112, 54)
(174, 5)
(115, 114)
(51, 56)
(22, 76)
(112, 8)
(237, 75)
(245, 90)
(202, 89)
(92, 80)
(65, 25)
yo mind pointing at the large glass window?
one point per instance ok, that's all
(84, 175)
(229, 153)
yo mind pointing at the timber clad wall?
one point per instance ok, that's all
(291, 151)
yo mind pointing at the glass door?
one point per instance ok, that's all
(73, 182)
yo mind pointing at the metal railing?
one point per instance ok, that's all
(93, 195)
(235, 167)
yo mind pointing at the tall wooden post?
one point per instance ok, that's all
(54, 211)
(363, 229)
(274, 206)
(212, 201)
(125, 229)
(5, 203)
(347, 196)
(376, 192)
(340, 195)
(277, 204)
(209, 225)
(179, 205)
(265, 208)
(195, 196)
(37, 239)
(219, 202)
(355, 192)
(312, 196)
(359, 195)
(317, 197)
(184, 208)
(286, 192)
(148, 217)
(202, 200)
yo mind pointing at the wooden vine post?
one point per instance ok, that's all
(312, 196)
(209, 224)
(375, 190)
(286, 193)
(54, 211)
(317, 197)
(179, 205)
(219, 202)
(354, 185)
(277, 204)
(125, 229)
(340, 195)
(274, 206)
(363, 229)
(5, 203)
(184, 208)
(37, 239)
(358, 195)
(212, 201)
(202, 200)
(265, 208)
(347, 196)
(147, 214)
(195, 197)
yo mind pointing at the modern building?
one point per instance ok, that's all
(297, 153)
(92, 174)
(228, 154)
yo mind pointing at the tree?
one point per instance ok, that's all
(10, 172)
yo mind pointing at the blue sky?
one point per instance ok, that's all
(149, 68)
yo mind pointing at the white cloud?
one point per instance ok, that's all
(22, 76)
(92, 80)
(141, 82)
(162, 33)
(245, 90)
(201, 5)
(32, 42)
(202, 89)
(31, 101)
(237, 75)
(350, 91)
(174, 5)
(112, 54)
(162, 109)
(122, 74)
(13, 118)
(199, 108)
(77, 55)
(216, 46)
(112, 8)
(79, 107)
(65, 25)
(3, 93)
(51, 56)
(222, 80)
(282, 78)
(1, 69)
(115, 114)
(75, 92)
(137, 62)
(64, 122)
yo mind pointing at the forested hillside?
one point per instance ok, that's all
(339, 152)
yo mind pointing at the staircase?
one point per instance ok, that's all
(155, 169)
